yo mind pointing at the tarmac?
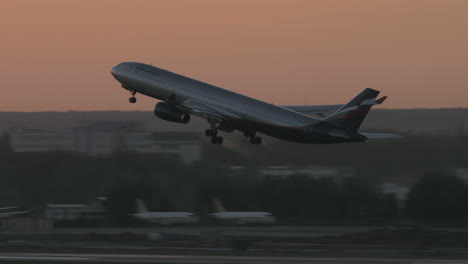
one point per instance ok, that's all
(256, 231)
(175, 259)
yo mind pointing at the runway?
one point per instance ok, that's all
(175, 259)
(243, 231)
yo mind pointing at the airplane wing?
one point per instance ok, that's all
(207, 111)
(322, 110)
(313, 109)
(7, 208)
(10, 214)
(380, 135)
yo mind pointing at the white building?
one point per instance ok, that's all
(401, 192)
(32, 140)
(64, 211)
(107, 137)
(314, 172)
(93, 210)
(187, 145)
(337, 174)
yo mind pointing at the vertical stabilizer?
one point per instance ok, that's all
(351, 115)
(141, 206)
(218, 205)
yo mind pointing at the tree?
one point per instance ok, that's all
(358, 200)
(388, 208)
(5, 144)
(437, 196)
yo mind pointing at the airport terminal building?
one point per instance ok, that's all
(107, 137)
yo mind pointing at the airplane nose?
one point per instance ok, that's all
(114, 71)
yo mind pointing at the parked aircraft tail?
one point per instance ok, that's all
(351, 115)
(218, 205)
(141, 206)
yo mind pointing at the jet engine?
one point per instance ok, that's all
(171, 113)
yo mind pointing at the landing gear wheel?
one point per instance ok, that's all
(217, 140)
(249, 134)
(132, 99)
(258, 140)
(255, 140)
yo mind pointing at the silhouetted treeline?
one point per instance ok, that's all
(438, 196)
(299, 198)
(433, 121)
(165, 184)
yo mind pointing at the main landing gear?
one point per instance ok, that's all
(213, 133)
(253, 138)
(132, 99)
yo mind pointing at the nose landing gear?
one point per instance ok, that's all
(132, 99)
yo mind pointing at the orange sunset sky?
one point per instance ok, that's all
(56, 55)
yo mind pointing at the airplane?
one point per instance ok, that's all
(240, 218)
(10, 213)
(164, 218)
(228, 111)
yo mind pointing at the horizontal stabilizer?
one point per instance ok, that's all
(380, 135)
(380, 100)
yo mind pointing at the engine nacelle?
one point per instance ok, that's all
(171, 113)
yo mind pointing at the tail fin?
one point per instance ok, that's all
(141, 206)
(351, 115)
(218, 205)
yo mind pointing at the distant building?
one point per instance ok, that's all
(400, 191)
(338, 174)
(94, 210)
(64, 211)
(186, 145)
(107, 137)
(461, 173)
(26, 223)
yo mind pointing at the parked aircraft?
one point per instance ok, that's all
(240, 218)
(229, 111)
(164, 218)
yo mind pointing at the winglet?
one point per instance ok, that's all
(380, 100)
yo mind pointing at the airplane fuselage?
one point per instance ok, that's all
(239, 112)
(245, 217)
(168, 217)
